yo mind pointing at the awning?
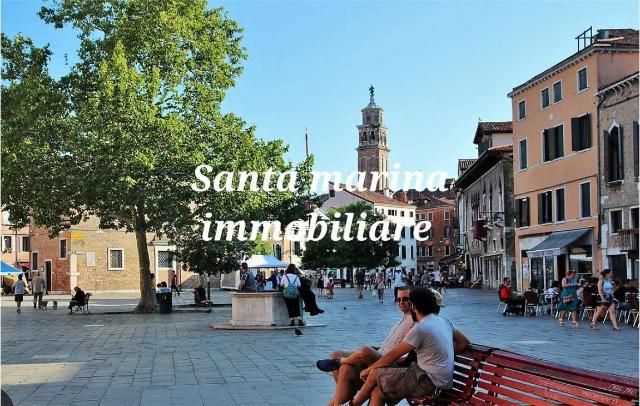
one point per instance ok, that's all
(7, 269)
(556, 241)
(265, 261)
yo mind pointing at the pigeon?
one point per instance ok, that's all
(345, 308)
(298, 332)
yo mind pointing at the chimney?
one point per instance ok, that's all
(404, 197)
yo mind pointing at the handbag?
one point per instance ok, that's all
(374, 292)
(567, 299)
(291, 291)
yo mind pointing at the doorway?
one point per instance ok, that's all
(48, 270)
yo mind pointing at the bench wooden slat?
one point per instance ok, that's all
(506, 392)
(551, 384)
(578, 379)
(543, 392)
(494, 400)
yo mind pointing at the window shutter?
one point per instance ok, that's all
(525, 209)
(559, 141)
(519, 213)
(620, 153)
(586, 131)
(540, 208)
(575, 134)
(607, 159)
(546, 146)
(636, 164)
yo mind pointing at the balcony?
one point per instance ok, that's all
(626, 240)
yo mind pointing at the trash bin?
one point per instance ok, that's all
(165, 302)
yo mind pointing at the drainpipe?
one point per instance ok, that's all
(598, 183)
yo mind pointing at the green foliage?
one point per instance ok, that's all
(120, 135)
(351, 254)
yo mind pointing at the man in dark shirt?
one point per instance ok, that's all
(247, 280)
(360, 275)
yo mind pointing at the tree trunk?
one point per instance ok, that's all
(148, 302)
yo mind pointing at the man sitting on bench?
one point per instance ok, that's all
(77, 299)
(435, 342)
(346, 366)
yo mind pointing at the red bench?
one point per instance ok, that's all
(490, 376)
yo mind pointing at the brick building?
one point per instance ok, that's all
(15, 243)
(441, 243)
(373, 152)
(618, 175)
(96, 259)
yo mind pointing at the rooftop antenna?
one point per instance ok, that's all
(306, 142)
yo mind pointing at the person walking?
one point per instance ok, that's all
(605, 293)
(569, 299)
(18, 292)
(379, 284)
(320, 285)
(174, 282)
(38, 285)
(291, 285)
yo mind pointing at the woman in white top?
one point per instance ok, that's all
(292, 280)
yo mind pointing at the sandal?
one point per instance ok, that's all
(616, 328)
(575, 324)
(593, 326)
(561, 322)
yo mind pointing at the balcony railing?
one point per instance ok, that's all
(626, 240)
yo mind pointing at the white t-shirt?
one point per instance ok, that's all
(18, 287)
(436, 276)
(432, 339)
(290, 279)
(326, 281)
(399, 280)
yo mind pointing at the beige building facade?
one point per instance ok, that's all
(556, 159)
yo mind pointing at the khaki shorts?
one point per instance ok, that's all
(400, 383)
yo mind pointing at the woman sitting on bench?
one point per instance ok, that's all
(77, 299)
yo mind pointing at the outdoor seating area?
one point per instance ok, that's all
(82, 307)
(537, 305)
(491, 376)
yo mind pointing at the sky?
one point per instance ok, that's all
(437, 67)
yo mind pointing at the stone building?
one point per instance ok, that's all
(486, 188)
(618, 176)
(373, 152)
(16, 245)
(556, 157)
(97, 260)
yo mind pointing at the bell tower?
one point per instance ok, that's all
(373, 153)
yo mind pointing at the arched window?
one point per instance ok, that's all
(363, 136)
(614, 154)
(278, 252)
(372, 136)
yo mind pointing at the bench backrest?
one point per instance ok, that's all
(466, 371)
(507, 378)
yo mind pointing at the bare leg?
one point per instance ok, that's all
(596, 316)
(368, 387)
(346, 386)
(377, 397)
(363, 356)
(574, 317)
(612, 314)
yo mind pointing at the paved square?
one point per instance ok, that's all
(51, 358)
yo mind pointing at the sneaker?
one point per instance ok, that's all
(300, 323)
(328, 365)
(18, 310)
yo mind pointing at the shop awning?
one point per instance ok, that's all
(556, 241)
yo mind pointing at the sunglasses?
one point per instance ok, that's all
(404, 299)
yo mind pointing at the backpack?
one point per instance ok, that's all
(291, 291)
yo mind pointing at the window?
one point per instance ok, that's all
(560, 212)
(446, 215)
(633, 223)
(34, 260)
(545, 201)
(429, 250)
(582, 79)
(164, 260)
(410, 214)
(557, 92)
(552, 143)
(636, 141)
(368, 120)
(614, 151)
(297, 248)
(522, 110)
(402, 233)
(116, 259)
(401, 213)
(7, 243)
(447, 250)
(403, 249)
(585, 199)
(544, 98)
(522, 215)
(430, 216)
(412, 256)
(447, 231)
(615, 222)
(25, 243)
(523, 154)
(332, 193)
(581, 132)
(63, 248)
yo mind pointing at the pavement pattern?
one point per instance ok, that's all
(51, 358)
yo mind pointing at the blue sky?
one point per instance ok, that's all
(437, 67)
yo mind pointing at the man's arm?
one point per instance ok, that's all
(460, 342)
(389, 358)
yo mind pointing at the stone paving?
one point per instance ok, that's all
(51, 358)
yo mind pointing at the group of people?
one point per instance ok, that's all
(415, 360)
(325, 285)
(39, 287)
(294, 286)
(568, 296)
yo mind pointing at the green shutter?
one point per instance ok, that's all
(607, 159)
(559, 141)
(621, 153)
(575, 134)
(586, 131)
(636, 164)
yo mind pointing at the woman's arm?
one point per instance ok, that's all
(601, 289)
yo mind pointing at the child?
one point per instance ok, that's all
(330, 289)
(18, 291)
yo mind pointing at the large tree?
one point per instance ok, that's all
(370, 254)
(119, 135)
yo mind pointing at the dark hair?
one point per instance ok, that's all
(404, 288)
(19, 276)
(593, 279)
(605, 272)
(291, 268)
(423, 300)
(244, 265)
(505, 279)
(571, 271)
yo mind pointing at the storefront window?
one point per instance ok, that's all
(580, 260)
(537, 274)
(548, 272)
